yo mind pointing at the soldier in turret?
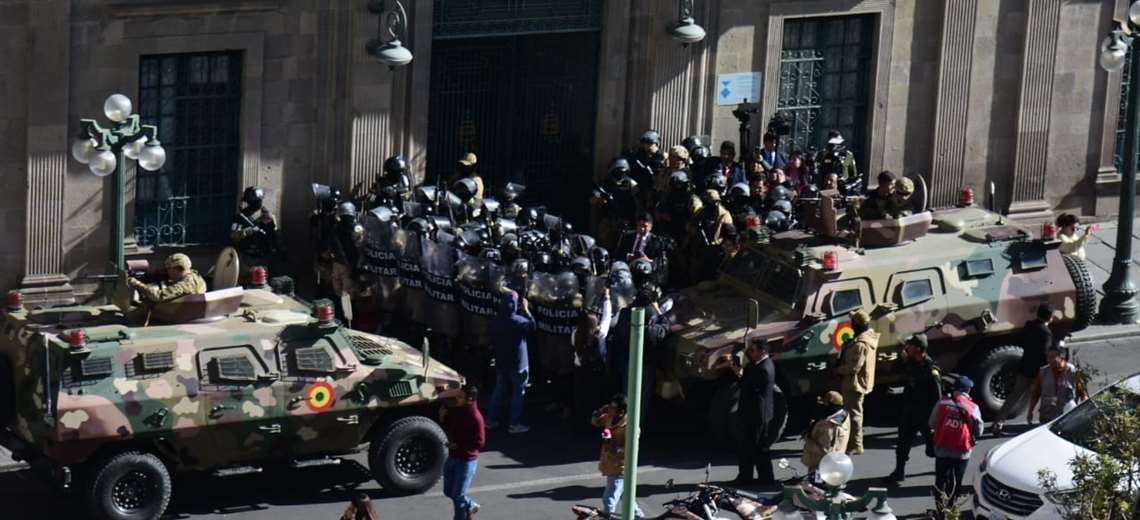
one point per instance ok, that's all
(182, 281)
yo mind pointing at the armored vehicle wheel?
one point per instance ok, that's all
(7, 393)
(995, 374)
(129, 486)
(722, 414)
(408, 455)
(1086, 292)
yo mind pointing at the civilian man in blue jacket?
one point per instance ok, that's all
(508, 334)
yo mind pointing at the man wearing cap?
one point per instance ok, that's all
(465, 169)
(922, 391)
(857, 374)
(835, 157)
(828, 434)
(182, 281)
(957, 423)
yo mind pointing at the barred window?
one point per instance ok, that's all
(195, 102)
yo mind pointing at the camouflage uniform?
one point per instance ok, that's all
(191, 283)
(858, 377)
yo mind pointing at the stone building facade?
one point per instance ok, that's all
(281, 93)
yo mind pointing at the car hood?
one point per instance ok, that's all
(1017, 462)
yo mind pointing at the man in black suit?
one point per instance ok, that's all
(726, 165)
(642, 243)
(754, 415)
(772, 157)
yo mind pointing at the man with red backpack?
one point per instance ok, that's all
(957, 422)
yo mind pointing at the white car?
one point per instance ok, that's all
(1008, 485)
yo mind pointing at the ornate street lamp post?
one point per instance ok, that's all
(393, 23)
(686, 29)
(835, 469)
(1119, 303)
(105, 151)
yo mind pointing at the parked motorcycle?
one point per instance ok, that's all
(704, 503)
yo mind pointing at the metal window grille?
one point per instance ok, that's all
(476, 18)
(825, 80)
(195, 101)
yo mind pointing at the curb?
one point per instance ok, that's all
(1128, 332)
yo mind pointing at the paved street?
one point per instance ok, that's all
(535, 475)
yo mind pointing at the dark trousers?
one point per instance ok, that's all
(752, 453)
(948, 475)
(909, 428)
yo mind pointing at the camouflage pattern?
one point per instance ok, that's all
(972, 281)
(191, 283)
(269, 381)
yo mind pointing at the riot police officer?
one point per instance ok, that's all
(394, 185)
(617, 199)
(922, 392)
(645, 162)
(254, 230)
(510, 194)
(679, 206)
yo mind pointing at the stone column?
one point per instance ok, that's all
(48, 145)
(1107, 184)
(335, 50)
(1034, 108)
(952, 108)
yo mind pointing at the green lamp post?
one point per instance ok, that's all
(105, 151)
(835, 469)
(1119, 304)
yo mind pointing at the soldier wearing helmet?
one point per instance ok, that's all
(678, 161)
(701, 162)
(254, 230)
(900, 205)
(705, 234)
(836, 158)
(678, 206)
(645, 162)
(182, 280)
(879, 202)
(394, 186)
(616, 198)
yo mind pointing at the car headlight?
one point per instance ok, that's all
(1062, 497)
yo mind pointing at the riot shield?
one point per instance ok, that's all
(415, 301)
(555, 301)
(380, 256)
(438, 270)
(478, 281)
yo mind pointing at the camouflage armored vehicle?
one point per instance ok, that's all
(963, 276)
(224, 382)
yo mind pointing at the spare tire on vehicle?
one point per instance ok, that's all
(1085, 292)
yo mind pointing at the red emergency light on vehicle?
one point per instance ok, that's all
(258, 276)
(1048, 231)
(77, 339)
(325, 312)
(14, 301)
(830, 261)
(966, 196)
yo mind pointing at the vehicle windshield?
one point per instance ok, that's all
(767, 275)
(1080, 425)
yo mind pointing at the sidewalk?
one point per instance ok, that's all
(1098, 257)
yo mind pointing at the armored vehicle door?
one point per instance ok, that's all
(242, 407)
(319, 376)
(914, 302)
(834, 302)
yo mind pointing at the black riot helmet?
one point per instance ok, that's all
(492, 254)
(420, 226)
(521, 268)
(465, 189)
(700, 153)
(738, 191)
(600, 257)
(346, 211)
(395, 165)
(619, 167)
(779, 193)
(679, 180)
(717, 182)
(581, 265)
(776, 220)
(648, 294)
(692, 142)
(651, 136)
(567, 228)
(253, 196)
(543, 262)
(512, 191)
(642, 270)
(527, 217)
